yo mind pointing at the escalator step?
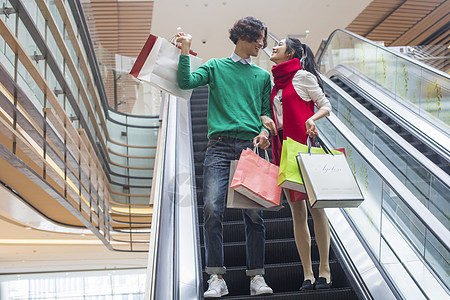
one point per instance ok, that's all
(199, 106)
(281, 278)
(406, 136)
(200, 129)
(277, 252)
(200, 121)
(235, 215)
(200, 135)
(275, 229)
(199, 148)
(199, 113)
(334, 294)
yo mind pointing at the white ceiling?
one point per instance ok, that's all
(210, 20)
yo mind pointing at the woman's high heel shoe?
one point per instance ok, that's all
(321, 283)
(307, 285)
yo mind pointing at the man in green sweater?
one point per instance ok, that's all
(239, 96)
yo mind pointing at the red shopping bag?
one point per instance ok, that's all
(157, 64)
(256, 178)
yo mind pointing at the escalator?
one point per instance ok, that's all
(283, 268)
(417, 143)
(394, 246)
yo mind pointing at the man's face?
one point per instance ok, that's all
(254, 47)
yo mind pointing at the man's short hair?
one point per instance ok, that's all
(248, 29)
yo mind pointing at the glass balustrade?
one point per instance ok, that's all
(397, 238)
(418, 87)
(122, 145)
(431, 191)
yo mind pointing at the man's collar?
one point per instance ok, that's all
(237, 58)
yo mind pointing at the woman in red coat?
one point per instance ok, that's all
(297, 89)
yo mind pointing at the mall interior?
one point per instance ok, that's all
(101, 174)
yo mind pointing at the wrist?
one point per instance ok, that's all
(266, 131)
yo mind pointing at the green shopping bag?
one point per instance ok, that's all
(289, 175)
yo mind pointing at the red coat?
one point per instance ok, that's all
(295, 111)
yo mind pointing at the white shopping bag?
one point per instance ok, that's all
(157, 64)
(329, 181)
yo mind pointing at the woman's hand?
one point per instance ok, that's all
(269, 124)
(185, 40)
(262, 140)
(311, 129)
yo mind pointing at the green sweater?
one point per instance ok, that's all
(238, 95)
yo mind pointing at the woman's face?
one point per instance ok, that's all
(279, 54)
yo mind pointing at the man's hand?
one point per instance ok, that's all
(185, 40)
(262, 140)
(269, 124)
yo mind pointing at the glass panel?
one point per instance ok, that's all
(55, 14)
(386, 71)
(407, 169)
(142, 121)
(141, 182)
(142, 152)
(120, 284)
(141, 137)
(140, 200)
(121, 160)
(141, 173)
(139, 162)
(72, 20)
(402, 244)
(413, 85)
(368, 214)
(117, 133)
(11, 19)
(140, 191)
(56, 53)
(435, 97)
(29, 87)
(119, 179)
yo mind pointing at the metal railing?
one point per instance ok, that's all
(174, 270)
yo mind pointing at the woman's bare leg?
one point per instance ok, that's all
(322, 234)
(302, 236)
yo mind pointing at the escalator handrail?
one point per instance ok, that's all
(174, 268)
(399, 55)
(155, 198)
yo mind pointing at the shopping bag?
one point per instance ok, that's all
(256, 178)
(328, 179)
(237, 200)
(157, 64)
(289, 176)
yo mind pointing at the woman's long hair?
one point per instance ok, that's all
(304, 53)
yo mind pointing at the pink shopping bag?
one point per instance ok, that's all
(256, 178)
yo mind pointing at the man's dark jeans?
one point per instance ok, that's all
(220, 151)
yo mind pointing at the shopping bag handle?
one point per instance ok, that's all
(173, 41)
(321, 143)
(266, 154)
